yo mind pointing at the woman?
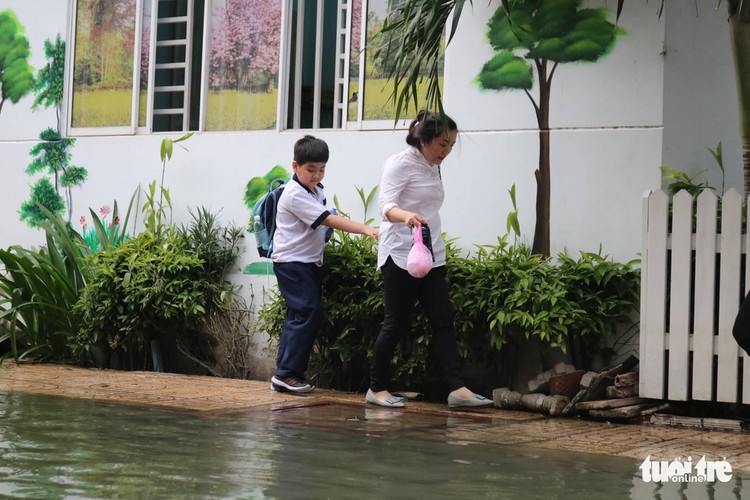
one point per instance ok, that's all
(411, 192)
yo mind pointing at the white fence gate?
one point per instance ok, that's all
(691, 289)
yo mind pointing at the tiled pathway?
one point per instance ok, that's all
(228, 396)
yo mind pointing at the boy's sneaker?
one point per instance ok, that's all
(290, 384)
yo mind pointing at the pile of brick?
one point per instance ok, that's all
(565, 391)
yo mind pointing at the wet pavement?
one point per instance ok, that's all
(217, 397)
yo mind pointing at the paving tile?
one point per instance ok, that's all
(232, 398)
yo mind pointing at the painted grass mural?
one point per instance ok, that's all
(103, 79)
(244, 64)
(378, 88)
(237, 110)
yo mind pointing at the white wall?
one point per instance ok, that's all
(700, 95)
(607, 140)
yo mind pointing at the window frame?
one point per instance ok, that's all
(69, 72)
(342, 122)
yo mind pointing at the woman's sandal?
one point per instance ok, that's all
(389, 401)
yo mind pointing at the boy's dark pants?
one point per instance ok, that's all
(300, 285)
(401, 292)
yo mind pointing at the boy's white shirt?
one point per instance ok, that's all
(300, 236)
(410, 182)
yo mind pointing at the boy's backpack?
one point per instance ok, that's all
(264, 217)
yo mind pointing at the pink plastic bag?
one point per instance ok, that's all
(419, 261)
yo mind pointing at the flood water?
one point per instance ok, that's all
(53, 447)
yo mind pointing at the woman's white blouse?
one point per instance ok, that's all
(411, 183)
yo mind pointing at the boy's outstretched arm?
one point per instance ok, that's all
(350, 226)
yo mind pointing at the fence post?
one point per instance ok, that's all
(705, 291)
(654, 256)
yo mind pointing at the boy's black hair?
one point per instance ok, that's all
(310, 149)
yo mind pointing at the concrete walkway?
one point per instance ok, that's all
(210, 395)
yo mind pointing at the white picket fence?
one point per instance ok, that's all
(691, 289)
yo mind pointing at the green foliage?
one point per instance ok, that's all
(52, 157)
(143, 288)
(16, 74)
(216, 245)
(258, 186)
(50, 79)
(156, 287)
(105, 235)
(511, 221)
(546, 30)
(412, 50)
(502, 294)
(43, 194)
(38, 291)
(676, 180)
(73, 176)
(157, 209)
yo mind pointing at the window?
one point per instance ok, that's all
(139, 66)
(174, 100)
(331, 82)
(318, 41)
(243, 67)
(134, 65)
(104, 54)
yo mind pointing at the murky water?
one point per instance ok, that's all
(54, 447)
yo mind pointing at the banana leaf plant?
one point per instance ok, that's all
(38, 289)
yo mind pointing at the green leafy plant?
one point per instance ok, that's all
(147, 287)
(157, 209)
(161, 287)
(38, 290)
(105, 235)
(51, 78)
(52, 157)
(503, 297)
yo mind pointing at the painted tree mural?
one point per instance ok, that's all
(51, 157)
(244, 45)
(415, 49)
(50, 79)
(533, 39)
(103, 61)
(16, 74)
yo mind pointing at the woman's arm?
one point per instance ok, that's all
(397, 214)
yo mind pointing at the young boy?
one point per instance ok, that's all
(301, 220)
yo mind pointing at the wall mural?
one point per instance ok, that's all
(378, 88)
(534, 37)
(51, 156)
(257, 187)
(16, 74)
(244, 65)
(103, 79)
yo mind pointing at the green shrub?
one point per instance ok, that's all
(501, 295)
(38, 289)
(158, 287)
(138, 291)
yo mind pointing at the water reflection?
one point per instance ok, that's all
(64, 448)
